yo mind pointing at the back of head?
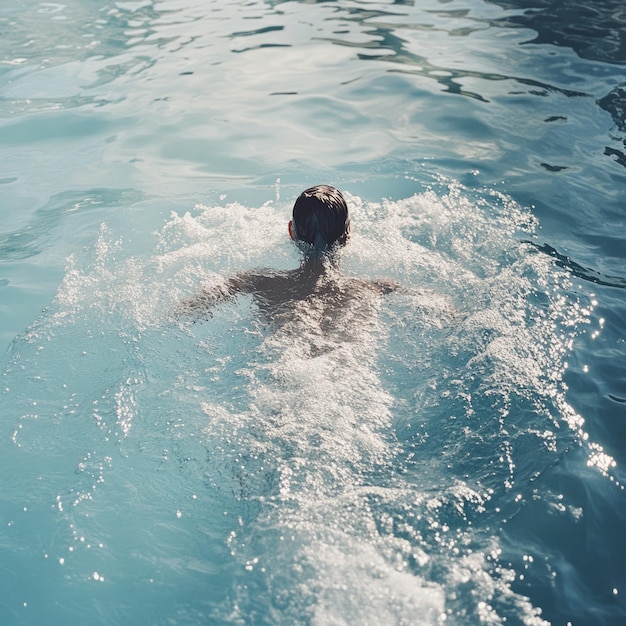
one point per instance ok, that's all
(320, 219)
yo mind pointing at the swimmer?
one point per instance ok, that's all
(320, 227)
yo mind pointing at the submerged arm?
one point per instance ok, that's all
(210, 296)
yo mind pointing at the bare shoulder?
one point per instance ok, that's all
(259, 280)
(385, 286)
(214, 293)
(276, 292)
(209, 296)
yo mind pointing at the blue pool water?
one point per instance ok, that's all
(451, 453)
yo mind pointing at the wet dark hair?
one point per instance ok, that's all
(320, 219)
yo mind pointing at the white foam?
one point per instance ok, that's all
(303, 428)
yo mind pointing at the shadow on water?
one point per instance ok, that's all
(595, 29)
(615, 104)
(386, 45)
(396, 34)
(579, 271)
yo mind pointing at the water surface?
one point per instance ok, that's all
(450, 453)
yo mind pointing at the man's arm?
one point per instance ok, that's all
(210, 296)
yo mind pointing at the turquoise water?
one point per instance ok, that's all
(451, 453)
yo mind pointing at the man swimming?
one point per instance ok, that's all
(320, 227)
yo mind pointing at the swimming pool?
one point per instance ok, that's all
(454, 453)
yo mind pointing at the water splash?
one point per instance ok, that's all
(362, 474)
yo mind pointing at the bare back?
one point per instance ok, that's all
(315, 298)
